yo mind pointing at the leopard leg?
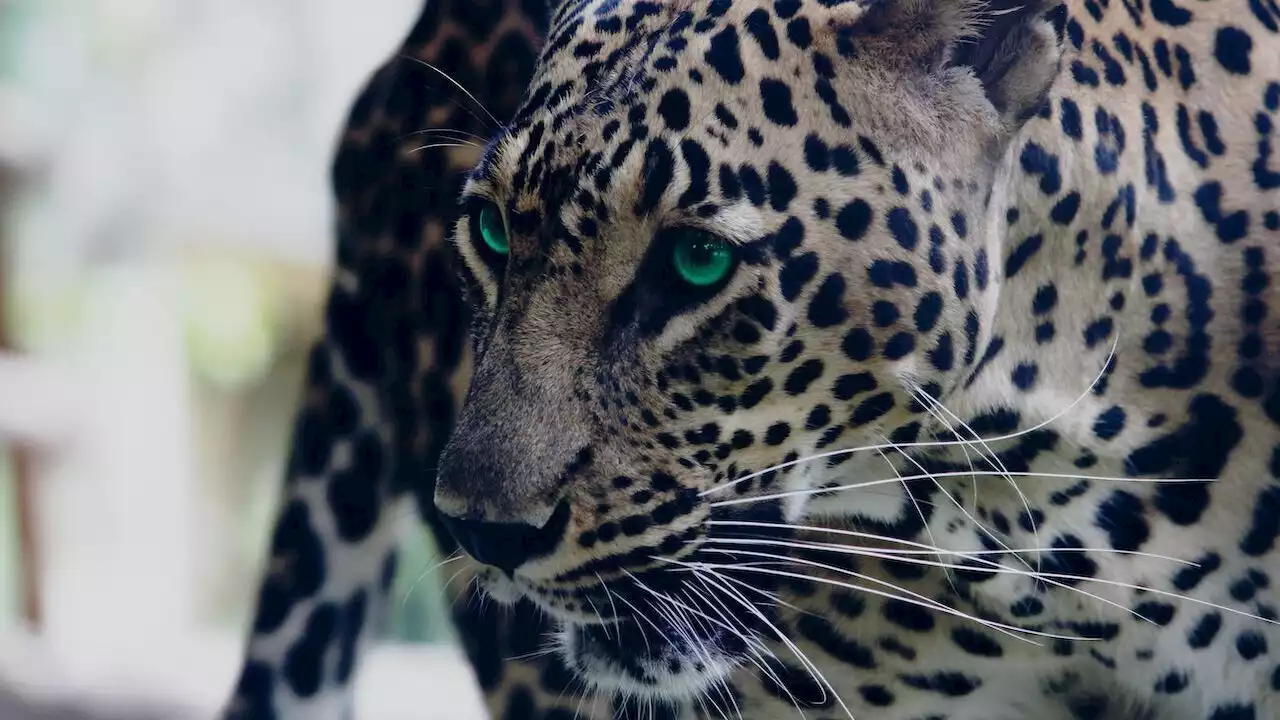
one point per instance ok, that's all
(387, 376)
(332, 552)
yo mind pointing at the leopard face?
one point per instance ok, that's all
(719, 244)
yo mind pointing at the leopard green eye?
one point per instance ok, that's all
(701, 259)
(493, 230)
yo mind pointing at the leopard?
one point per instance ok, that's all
(902, 359)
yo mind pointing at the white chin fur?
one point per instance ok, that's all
(601, 675)
(499, 587)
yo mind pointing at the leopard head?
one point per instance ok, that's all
(719, 244)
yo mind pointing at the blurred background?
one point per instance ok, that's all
(164, 250)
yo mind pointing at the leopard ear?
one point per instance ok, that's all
(1015, 54)
(902, 34)
(1008, 44)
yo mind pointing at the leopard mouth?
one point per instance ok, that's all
(662, 643)
(665, 633)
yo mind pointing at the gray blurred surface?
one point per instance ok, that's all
(14, 707)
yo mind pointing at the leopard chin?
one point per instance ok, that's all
(652, 658)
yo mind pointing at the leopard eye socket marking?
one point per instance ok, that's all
(493, 229)
(701, 259)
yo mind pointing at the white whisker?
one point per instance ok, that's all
(954, 473)
(614, 608)
(930, 444)
(986, 453)
(453, 557)
(910, 597)
(757, 650)
(480, 140)
(924, 549)
(641, 616)
(532, 655)
(668, 599)
(440, 145)
(990, 566)
(810, 667)
(603, 625)
(1051, 577)
(745, 634)
(447, 76)
(924, 522)
(727, 693)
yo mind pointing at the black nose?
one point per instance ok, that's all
(507, 546)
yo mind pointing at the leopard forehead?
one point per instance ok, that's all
(731, 83)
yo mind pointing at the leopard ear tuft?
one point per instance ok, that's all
(1015, 54)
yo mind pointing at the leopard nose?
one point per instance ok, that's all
(507, 546)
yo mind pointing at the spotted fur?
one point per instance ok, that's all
(984, 424)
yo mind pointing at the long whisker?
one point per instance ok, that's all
(677, 614)
(1042, 575)
(688, 620)
(447, 76)
(954, 473)
(965, 511)
(924, 549)
(582, 697)
(967, 458)
(935, 408)
(678, 620)
(690, 592)
(704, 711)
(927, 444)
(727, 693)
(421, 148)
(984, 452)
(444, 132)
(706, 698)
(774, 600)
(910, 596)
(990, 566)
(603, 625)
(924, 522)
(473, 598)
(977, 556)
(533, 655)
(445, 587)
(451, 136)
(719, 581)
(720, 609)
(758, 650)
(810, 667)
(609, 596)
(642, 616)
(673, 602)
(450, 141)
(453, 557)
